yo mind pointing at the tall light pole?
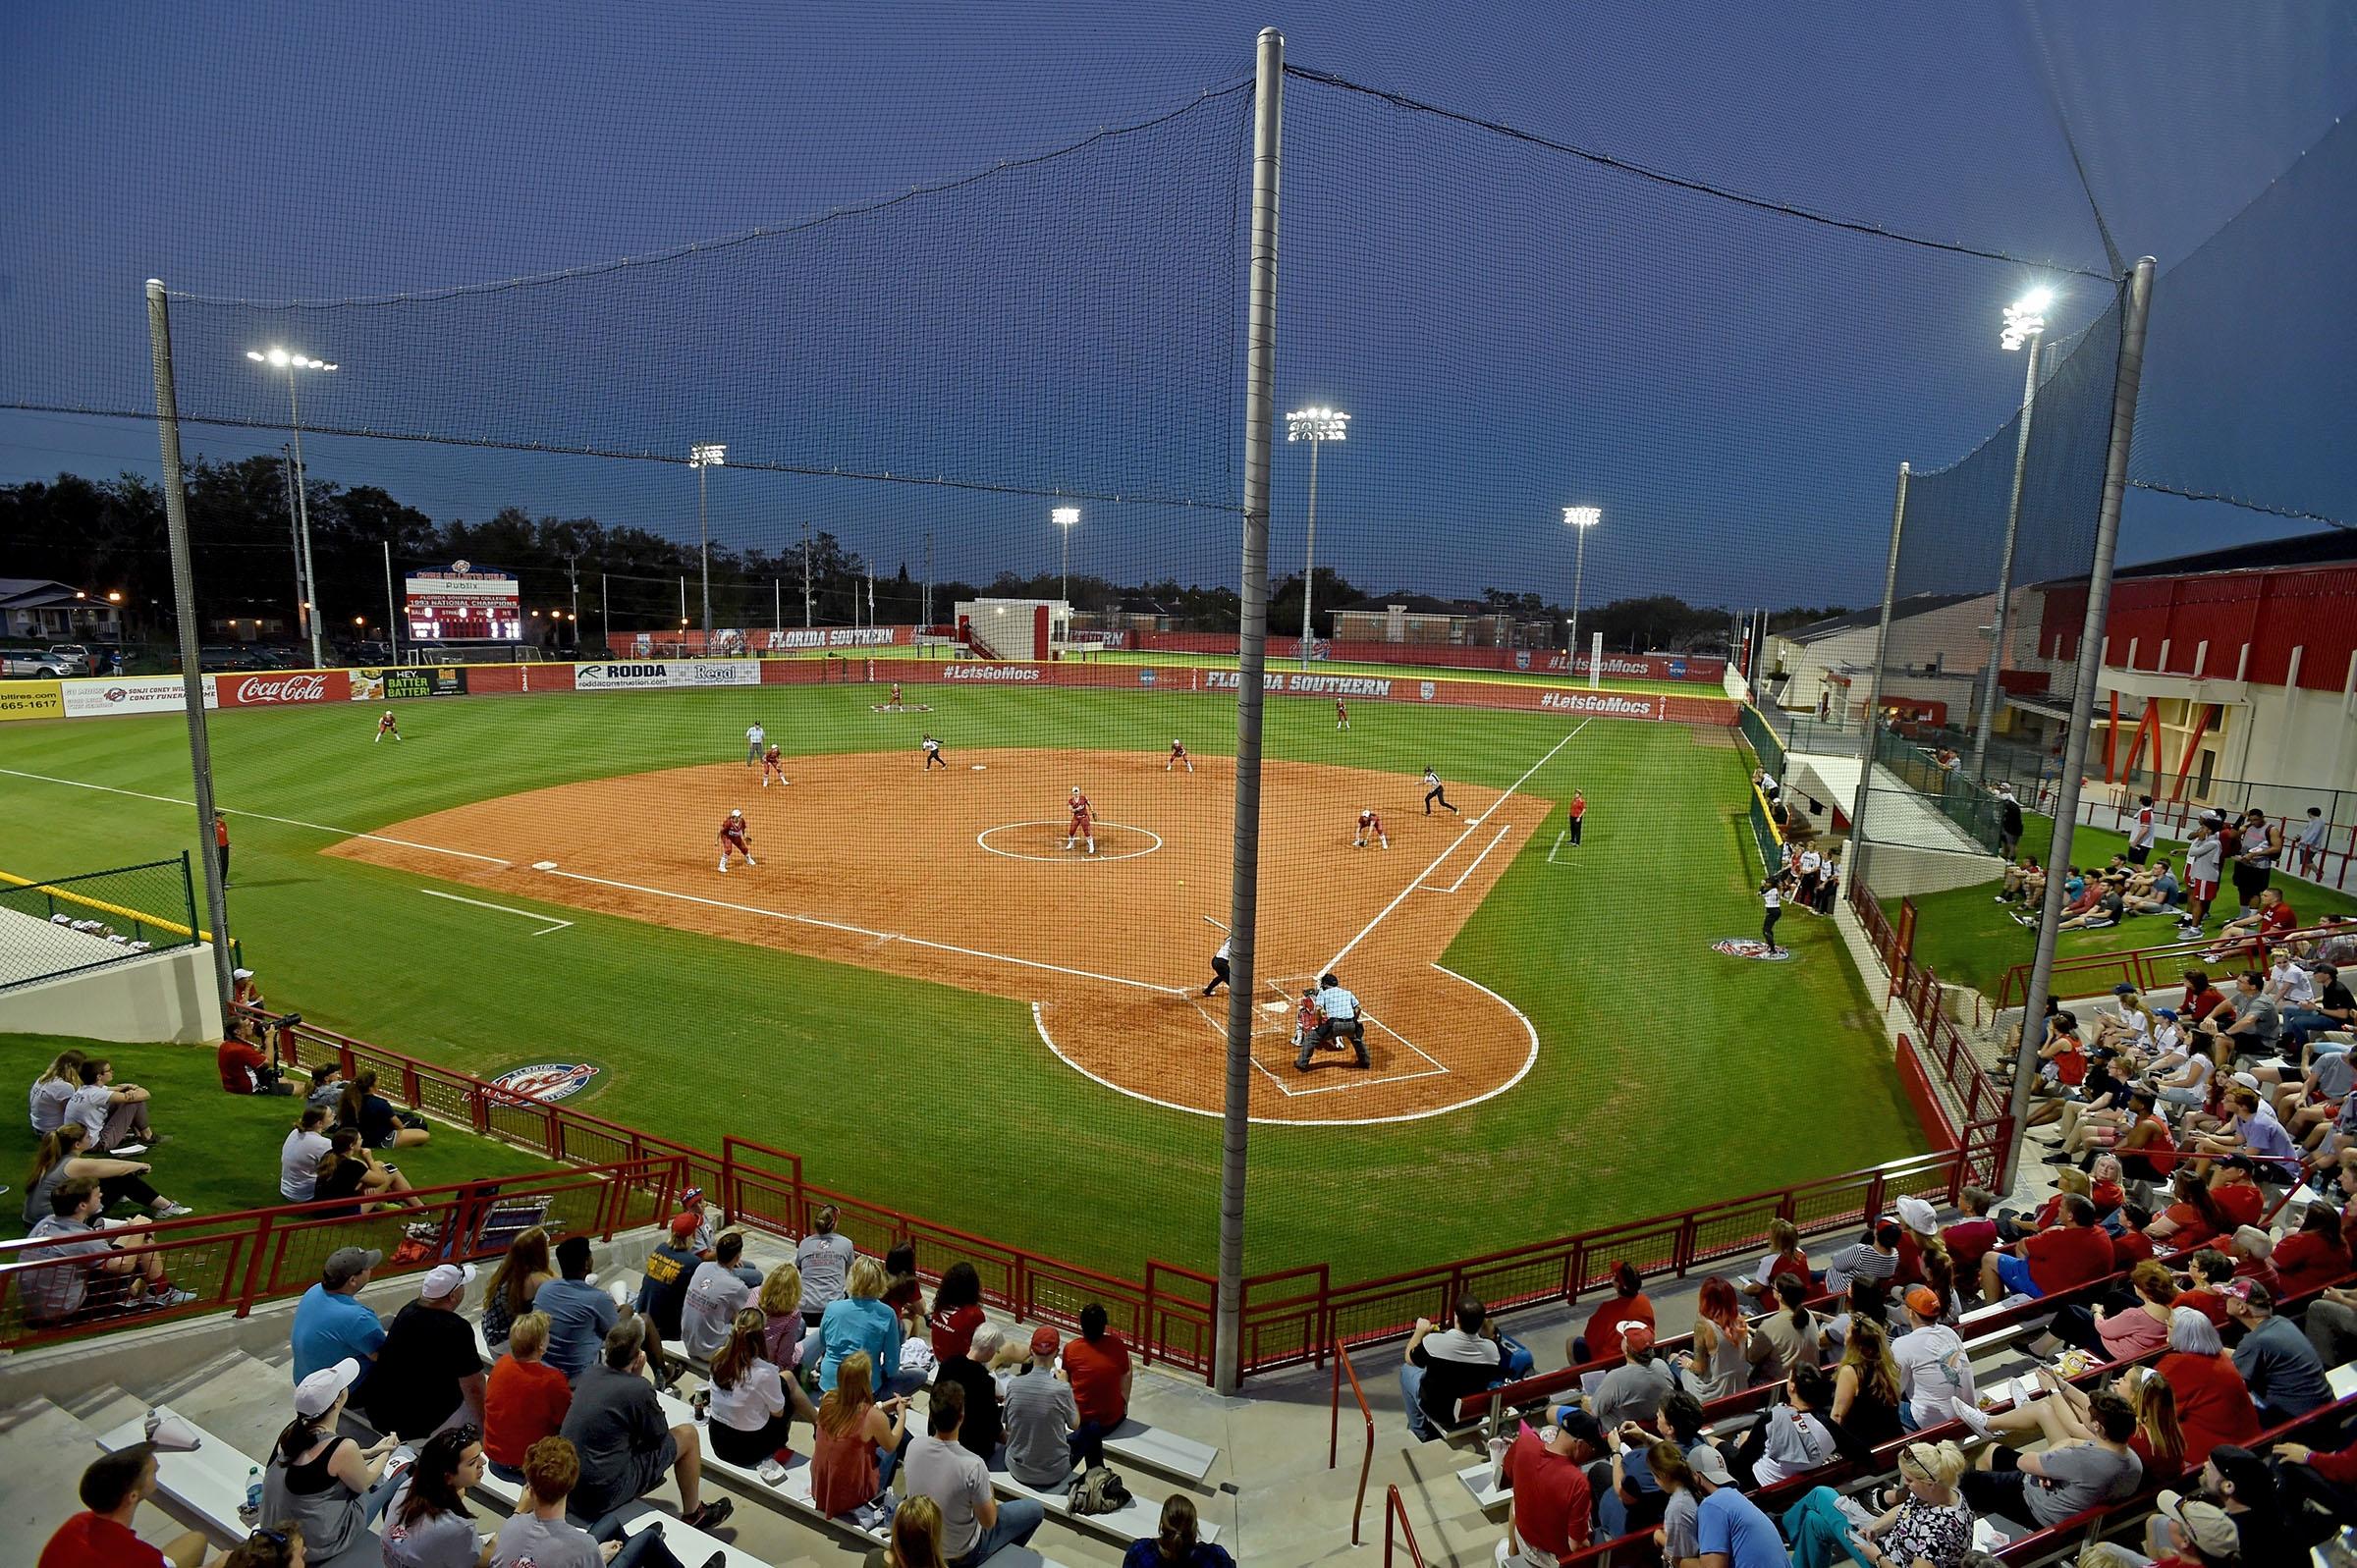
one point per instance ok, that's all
(1317, 426)
(1065, 517)
(700, 457)
(1581, 519)
(2025, 325)
(278, 358)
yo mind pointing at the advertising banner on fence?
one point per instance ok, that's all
(30, 699)
(401, 681)
(281, 691)
(758, 640)
(656, 675)
(107, 696)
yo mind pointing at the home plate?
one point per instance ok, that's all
(544, 865)
(1272, 1006)
(978, 766)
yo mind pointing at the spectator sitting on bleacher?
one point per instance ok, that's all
(2118, 1333)
(2253, 1251)
(824, 1257)
(1442, 1366)
(2063, 1412)
(616, 1424)
(331, 1325)
(2187, 1533)
(2310, 1097)
(427, 1375)
(2238, 1482)
(2313, 1254)
(2234, 1183)
(1929, 1523)
(904, 1292)
(1628, 1495)
(1875, 1258)
(1601, 1340)
(380, 1125)
(2250, 1131)
(1785, 1257)
(860, 1322)
(1933, 1371)
(1730, 1529)
(2325, 1478)
(1098, 1364)
(56, 1160)
(1864, 1411)
(1969, 1238)
(1043, 1443)
(325, 1481)
(956, 1310)
(1634, 1389)
(427, 1525)
(507, 1294)
(1792, 1437)
(53, 1090)
(540, 1535)
(717, 1292)
(1174, 1545)
(781, 1304)
(663, 1292)
(858, 1445)
(112, 1489)
(578, 1314)
(113, 1117)
(1553, 1498)
(974, 1523)
(2333, 1010)
(2277, 1364)
(915, 1539)
(2044, 1488)
(752, 1412)
(982, 1429)
(2193, 1216)
(2214, 1403)
(1717, 1366)
(1786, 1338)
(2249, 1021)
(525, 1399)
(2250, 932)
(2072, 1253)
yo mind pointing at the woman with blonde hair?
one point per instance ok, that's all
(1717, 1363)
(1928, 1523)
(54, 1090)
(752, 1415)
(525, 1400)
(860, 1321)
(508, 1295)
(1786, 1257)
(781, 1301)
(915, 1536)
(859, 1443)
(1866, 1389)
(58, 1157)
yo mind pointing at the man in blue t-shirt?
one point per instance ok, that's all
(1730, 1531)
(330, 1323)
(578, 1313)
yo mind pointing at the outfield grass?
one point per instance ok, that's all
(1965, 937)
(223, 1153)
(1667, 1074)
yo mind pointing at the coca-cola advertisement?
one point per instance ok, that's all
(283, 688)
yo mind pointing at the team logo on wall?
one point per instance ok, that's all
(1424, 690)
(546, 1081)
(1146, 677)
(1522, 660)
(1751, 948)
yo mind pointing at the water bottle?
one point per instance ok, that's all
(253, 1494)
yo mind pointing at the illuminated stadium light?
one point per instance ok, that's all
(1581, 519)
(2025, 318)
(1317, 426)
(705, 455)
(1063, 517)
(307, 585)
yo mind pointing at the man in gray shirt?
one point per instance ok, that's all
(1634, 1389)
(1040, 1417)
(973, 1521)
(2050, 1487)
(2285, 1374)
(715, 1292)
(2255, 1024)
(578, 1313)
(616, 1424)
(540, 1536)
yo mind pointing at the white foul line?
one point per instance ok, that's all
(1383, 914)
(262, 816)
(863, 931)
(528, 914)
(1503, 829)
(1558, 844)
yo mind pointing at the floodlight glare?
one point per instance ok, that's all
(1317, 424)
(1583, 517)
(1064, 517)
(2025, 318)
(709, 455)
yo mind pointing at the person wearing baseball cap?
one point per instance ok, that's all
(1934, 1372)
(1040, 1417)
(1634, 1389)
(2285, 1375)
(427, 1375)
(663, 1290)
(1726, 1524)
(2191, 1532)
(1548, 1470)
(336, 1516)
(330, 1323)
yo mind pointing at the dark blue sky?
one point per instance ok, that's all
(1514, 329)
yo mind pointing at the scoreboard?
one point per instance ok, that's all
(465, 603)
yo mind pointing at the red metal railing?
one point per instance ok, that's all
(1944, 1079)
(1334, 1433)
(232, 1262)
(1395, 1513)
(2094, 974)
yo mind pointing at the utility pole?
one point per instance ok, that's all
(806, 576)
(303, 594)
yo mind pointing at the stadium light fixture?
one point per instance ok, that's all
(1065, 517)
(705, 455)
(1317, 426)
(1581, 519)
(2025, 327)
(2025, 318)
(289, 360)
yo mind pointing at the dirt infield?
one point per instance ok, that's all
(960, 877)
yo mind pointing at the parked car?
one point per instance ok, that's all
(227, 656)
(33, 664)
(78, 660)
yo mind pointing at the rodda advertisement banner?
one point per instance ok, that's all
(655, 675)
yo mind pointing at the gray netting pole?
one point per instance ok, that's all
(2082, 700)
(183, 611)
(1874, 687)
(1253, 648)
(2005, 565)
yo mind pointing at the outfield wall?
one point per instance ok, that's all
(109, 697)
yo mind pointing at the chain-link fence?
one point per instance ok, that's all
(57, 926)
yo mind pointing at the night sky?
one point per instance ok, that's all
(1515, 328)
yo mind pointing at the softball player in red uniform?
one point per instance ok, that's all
(1179, 756)
(1370, 826)
(773, 766)
(1084, 822)
(734, 840)
(386, 727)
(1342, 714)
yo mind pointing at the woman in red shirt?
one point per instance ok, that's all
(2213, 1404)
(525, 1399)
(2192, 1217)
(1602, 1340)
(957, 1310)
(2313, 1255)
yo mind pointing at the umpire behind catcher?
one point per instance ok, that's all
(1341, 1009)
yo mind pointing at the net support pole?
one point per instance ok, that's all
(2004, 569)
(1874, 684)
(1252, 648)
(184, 612)
(2124, 388)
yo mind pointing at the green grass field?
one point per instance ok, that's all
(1667, 1074)
(1967, 938)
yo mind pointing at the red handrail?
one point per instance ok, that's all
(1334, 1433)
(2136, 966)
(1396, 1510)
